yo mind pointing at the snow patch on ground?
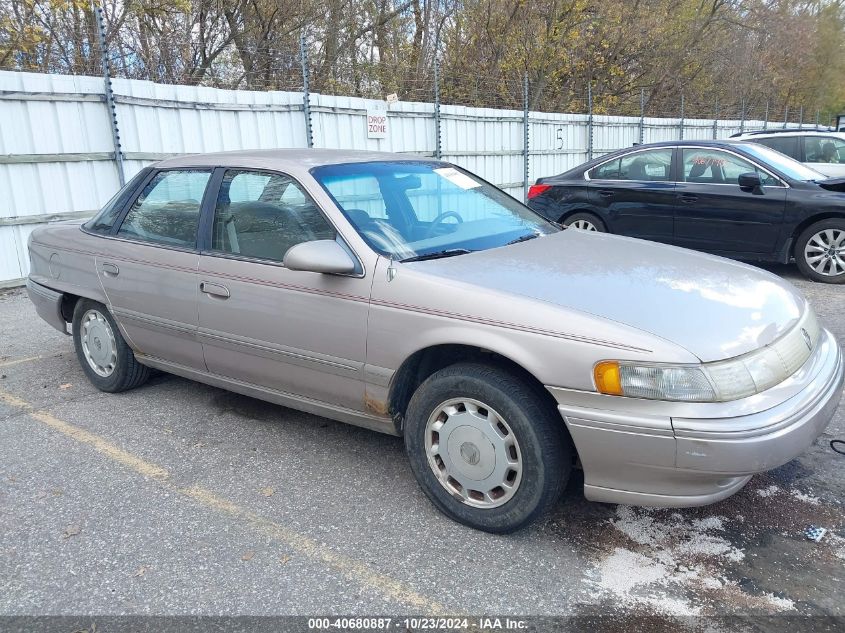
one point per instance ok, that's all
(806, 498)
(768, 492)
(670, 561)
(781, 604)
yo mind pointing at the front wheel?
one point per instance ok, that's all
(105, 357)
(820, 251)
(485, 448)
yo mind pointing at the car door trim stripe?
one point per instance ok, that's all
(506, 325)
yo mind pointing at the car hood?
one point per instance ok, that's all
(713, 307)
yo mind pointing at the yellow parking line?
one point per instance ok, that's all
(9, 363)
(304, 545)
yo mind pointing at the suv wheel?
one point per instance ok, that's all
(485, 448)
(820, 251)
(105, 357)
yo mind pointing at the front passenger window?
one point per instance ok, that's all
(263, 214)
(714, 167)
(168, 209)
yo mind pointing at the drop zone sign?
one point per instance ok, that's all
(376, 123)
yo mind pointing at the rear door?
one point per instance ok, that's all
(714, 214)
(634, 193)
(149, 272)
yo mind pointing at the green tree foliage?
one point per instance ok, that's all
(754, 55)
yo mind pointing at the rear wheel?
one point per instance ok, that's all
(105, 357)
(585, 222)
(820, 251)
(485, 449)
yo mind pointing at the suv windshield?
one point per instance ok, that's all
(420, 210)
(789, 167)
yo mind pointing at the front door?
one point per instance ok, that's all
(295, 332)
(713, 214)
(634, 194)
(149, 274)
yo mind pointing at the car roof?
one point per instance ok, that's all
(282, 159)
(786, 132)
(720, 144)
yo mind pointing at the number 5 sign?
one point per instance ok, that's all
(376, 123)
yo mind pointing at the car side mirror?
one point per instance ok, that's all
(320, 256)
(750, 181)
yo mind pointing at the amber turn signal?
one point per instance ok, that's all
(607, 377)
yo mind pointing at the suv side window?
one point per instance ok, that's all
(707, 166)
(168, 209)
(824, 149)
(263, 214)
(784, 144)
(649, 166)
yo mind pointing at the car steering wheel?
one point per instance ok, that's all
(439, 220)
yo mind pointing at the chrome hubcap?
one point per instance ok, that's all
(825, 252)
(473, 452)
(584, 225)
(98, 344)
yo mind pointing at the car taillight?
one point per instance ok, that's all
(536, 190)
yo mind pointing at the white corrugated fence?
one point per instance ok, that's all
(57, 154)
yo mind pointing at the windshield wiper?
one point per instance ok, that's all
(523, 238)
(449, 252)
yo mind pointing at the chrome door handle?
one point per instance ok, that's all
(688, 198)
(216, 290)
(605, 193)
(110, 269)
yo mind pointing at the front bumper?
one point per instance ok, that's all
(684, 454)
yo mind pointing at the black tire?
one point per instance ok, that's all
(127, 373)
(583, 216)
(544, 445)
(834, 224)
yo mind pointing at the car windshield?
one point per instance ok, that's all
(420, 210)
(789, 167)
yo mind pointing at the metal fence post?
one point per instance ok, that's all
(642, 115)
(525, 137)
(716, 120)
(590, 121)
(306, 90)
(800, 117)
(742, 115)
(817, 119)
(766, 116)
(437, 141)
(111, 107)
(682, 117)
(785, 115)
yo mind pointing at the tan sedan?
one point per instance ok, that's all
(411, 297)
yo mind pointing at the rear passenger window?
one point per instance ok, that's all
(784, 144)
(649, 166)
(108, 215)
(167, 210)
(262, 215)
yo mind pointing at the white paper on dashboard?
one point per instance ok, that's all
(457, 178)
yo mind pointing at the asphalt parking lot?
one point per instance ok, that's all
(178, 498)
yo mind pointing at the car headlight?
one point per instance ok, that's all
(720, 381)
(655, 382)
